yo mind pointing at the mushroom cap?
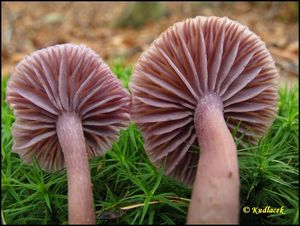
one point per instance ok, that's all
(65, 78)
(191, 59)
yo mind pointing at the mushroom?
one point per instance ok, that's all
(200, 80)
(69, 108)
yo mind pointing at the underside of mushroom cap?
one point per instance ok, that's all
(192, 59)
(58, 79)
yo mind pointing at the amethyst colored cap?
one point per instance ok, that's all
(193, 58)
(65, 78)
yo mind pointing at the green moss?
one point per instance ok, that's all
(125, 177)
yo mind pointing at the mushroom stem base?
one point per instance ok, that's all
(80, 195)
(215, 196)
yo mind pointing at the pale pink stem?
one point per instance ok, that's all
(80, 195)
(215, 196)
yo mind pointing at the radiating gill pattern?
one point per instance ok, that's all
(189, 60)
(65, 78)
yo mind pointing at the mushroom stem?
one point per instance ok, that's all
(80, 195)
(215, 196)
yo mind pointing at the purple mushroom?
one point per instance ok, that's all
(69, 108)
(199, 80)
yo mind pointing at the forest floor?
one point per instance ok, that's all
(27, 27)
(128, 189)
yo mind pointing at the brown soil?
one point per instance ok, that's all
(27, 27)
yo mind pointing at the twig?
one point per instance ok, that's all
(172, 199)
(180, 198)
(118, 213)
(137, 205)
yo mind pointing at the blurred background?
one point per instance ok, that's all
(121, 31)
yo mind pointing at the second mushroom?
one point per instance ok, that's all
(200, 80)
(69, 108)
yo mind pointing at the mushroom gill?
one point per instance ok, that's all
(58, 79)
(191, 59)
(69, 108)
